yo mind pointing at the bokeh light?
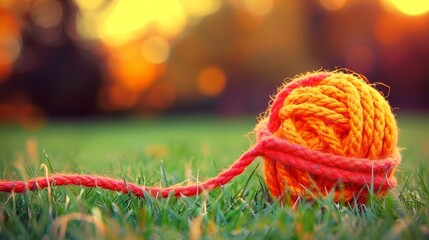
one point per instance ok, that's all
(156, 49)
(258, 7)
(125, 20)
(211, 81)
(138, 56)
(10, 48)
(333, 5)
(10, 42)
(388, 30)
(46, 13)
(137, 37)
(411, 7)
(133, 72)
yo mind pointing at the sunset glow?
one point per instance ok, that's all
(134, 73)
(126, 20)
(135, 56)
(412, 7)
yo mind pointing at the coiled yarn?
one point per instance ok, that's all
(344, 120)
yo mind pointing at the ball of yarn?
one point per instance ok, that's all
(337, 114)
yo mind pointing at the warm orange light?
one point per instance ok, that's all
(258, 7)
(412, 7)
(156, 50)
(88, 5)
(387, 30)
(9, 24)
(24, 113)
(211, 81)
(119, 22)
(5, 66)
(333, 5)
(5, 70)
(86, 25)
(127, 20)
(198, 8)
(126, 52)
(361, 59)
(10, 44)
(134, 73)
(10, 49)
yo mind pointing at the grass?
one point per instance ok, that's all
(173, 151)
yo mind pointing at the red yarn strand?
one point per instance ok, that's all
(119, 185)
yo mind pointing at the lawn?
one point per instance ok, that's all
(181, 150)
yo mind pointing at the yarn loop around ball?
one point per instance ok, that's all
(324, 132)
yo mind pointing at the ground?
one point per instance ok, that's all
(180, 150)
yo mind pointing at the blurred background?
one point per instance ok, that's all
(91, 58)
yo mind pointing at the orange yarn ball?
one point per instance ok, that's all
(338, 113)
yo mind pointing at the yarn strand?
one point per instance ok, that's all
(120, 186)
